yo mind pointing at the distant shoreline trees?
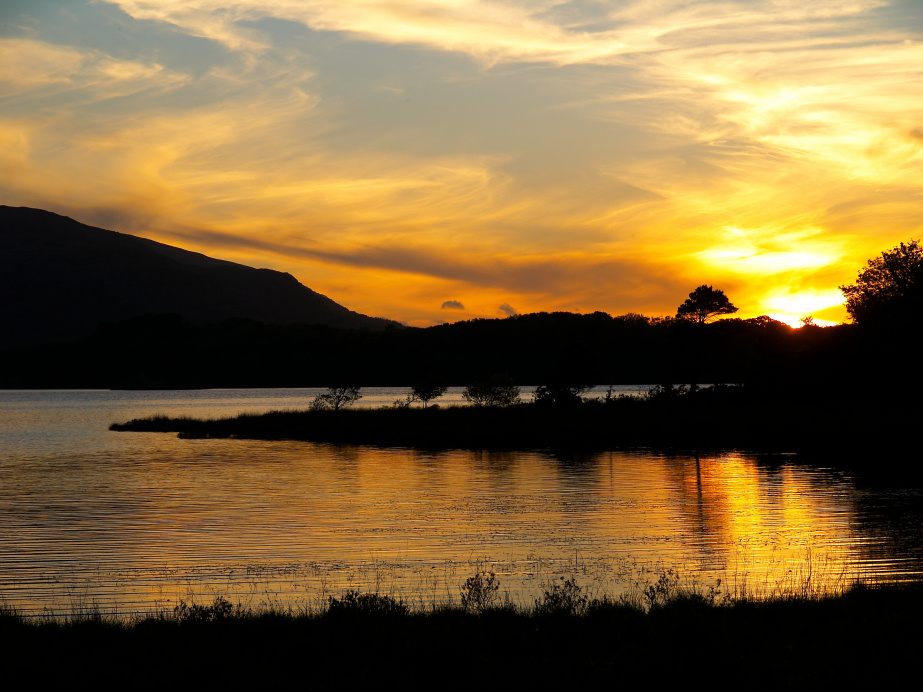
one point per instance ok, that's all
(556, 350)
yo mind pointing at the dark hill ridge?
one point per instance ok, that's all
(59, 279)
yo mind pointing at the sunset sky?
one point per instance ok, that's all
(439, 160)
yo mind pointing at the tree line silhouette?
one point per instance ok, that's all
(563, 352)
(560, 349)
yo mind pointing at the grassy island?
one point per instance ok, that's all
(720, 417)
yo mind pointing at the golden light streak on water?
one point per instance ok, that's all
(129, 521)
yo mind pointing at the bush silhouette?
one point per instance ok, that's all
(564, 598)
(220, 609)
(356, 603)
(560, 395)
(495, 391)
(427, 391)
(336, 398)
(479, 592)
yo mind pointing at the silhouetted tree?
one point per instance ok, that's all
(427, 391)
(704, 303)
(496, 391)
(667, 392)
(765, 321)
(807, 321)
(890, 288)
(336, 398)
(560, 395)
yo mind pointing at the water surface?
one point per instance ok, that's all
(137, 521)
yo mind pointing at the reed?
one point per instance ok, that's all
(667, 632)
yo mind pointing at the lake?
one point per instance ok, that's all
(134, 522)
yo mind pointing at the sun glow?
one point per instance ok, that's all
(581, 156)
(792, 305)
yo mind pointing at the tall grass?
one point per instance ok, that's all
(666, 632)
(481, 593)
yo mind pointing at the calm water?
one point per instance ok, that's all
(135, 521)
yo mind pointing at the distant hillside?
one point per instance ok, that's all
(59, 279)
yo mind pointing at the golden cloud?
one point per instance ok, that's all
(766, 147)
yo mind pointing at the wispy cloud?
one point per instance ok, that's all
(545, 154)
(504, 31)
(38, 69)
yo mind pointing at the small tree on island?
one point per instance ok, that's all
(890, 288)
(495, 391)
(336, 398)
(705, 303)
(427, 391)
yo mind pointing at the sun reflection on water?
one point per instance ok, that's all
(133, 522)
(289, 524)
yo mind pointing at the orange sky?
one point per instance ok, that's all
(501, 156)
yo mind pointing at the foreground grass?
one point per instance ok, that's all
(863, 636)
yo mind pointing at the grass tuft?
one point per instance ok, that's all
(355, 603)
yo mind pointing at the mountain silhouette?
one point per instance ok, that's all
(59, 279)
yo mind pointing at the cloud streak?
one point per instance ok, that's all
(513, 31)
(550, 155)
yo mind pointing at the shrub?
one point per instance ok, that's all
(336, 398)
(565, 598)
(561, 395)
(10, 615)
(220, 609)
(479, 592)
(426, 391)
(495, 391)
(404, 403)
(666, 392)
(356, 603)
(662, 591)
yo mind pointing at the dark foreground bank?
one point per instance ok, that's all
(863, 433)
(868, 636)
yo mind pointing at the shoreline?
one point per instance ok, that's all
(870, 634)
(711, 420)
